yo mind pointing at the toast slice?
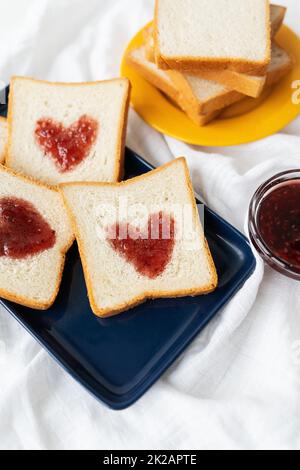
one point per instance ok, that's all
(35, 234)
(67, 132)
(277, 15)
(202, 104)
(184, 41)
(133, 242)
(3, 138)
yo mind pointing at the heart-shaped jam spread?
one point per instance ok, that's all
(23, 230)
(150, 249)
(67, 146)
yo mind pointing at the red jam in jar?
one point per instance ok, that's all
(149, 250)
(279, 221)
(23, 230)
(274, 222)
(67, 146)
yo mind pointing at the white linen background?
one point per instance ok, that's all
(238, 385)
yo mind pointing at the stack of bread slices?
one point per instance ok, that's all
(61, 165)
(206, 55)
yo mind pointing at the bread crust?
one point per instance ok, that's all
(119, 171)
(26, 301)
(3, 153)
(105, 313)
(186, 64)
(119, 167)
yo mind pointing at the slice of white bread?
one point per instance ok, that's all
(33, 281)
(217, 34)
(243, 82)
(104, 103)
(203, 105)
(115, 284)
(3, 138)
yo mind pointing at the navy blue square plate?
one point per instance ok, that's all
(118, 359)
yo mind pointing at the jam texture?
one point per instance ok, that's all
(67, 146)
(150, 249)
(23, 230)
(279, 222)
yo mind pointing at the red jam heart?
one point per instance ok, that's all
(23, 230)
(149, 250)
(68, 146)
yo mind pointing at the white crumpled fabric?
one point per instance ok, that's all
(238, 385)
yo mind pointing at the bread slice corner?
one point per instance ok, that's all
(34, 281)
(3, 138)
(114, 284)
(106, 102)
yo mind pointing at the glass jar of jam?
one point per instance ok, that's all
(274, 222)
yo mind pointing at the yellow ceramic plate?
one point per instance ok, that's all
(271, 113)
